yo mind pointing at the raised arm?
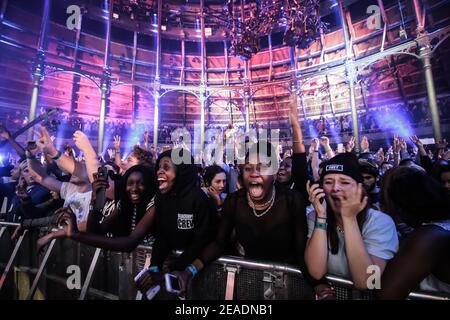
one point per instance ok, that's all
(45, 143)
(297, 136)
(117, 158)
(146, 147)
(7, 136)
(315, 161)
(92, 163)
(396, 148)
(325, 142)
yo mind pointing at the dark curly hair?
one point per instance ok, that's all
(143, 156)
(210, 173)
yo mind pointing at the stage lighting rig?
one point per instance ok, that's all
(299, 18)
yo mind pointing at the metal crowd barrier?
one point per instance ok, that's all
(52, 274)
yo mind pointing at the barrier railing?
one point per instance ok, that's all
(67, 270)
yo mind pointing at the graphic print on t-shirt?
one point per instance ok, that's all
(185, 221)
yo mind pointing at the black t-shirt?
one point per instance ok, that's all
(280, 235)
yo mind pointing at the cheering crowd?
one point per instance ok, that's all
(324, 210)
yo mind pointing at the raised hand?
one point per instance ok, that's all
(350, 144)
(111, 153)
(44, 142)
(414, 139)
(354, 203)
(4, 133)
(402, 143)
(317, 198)
(396, 146)
(81, 141)
(117, 142)
(98, 183)
(325, 142)
(315, 144)
(145, 137)
(441, 144)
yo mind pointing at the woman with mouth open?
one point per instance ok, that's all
(186, 218)
(269, 221)
(131, 221)
(347, 238)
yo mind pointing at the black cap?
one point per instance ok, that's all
(343, 163)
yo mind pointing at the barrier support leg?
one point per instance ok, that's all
(90, 273)
(2, 231)
(231, 276)
(41, 270)
(11, 259)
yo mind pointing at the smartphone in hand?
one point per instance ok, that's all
(172, 283)
(312, 182)
(151, 293)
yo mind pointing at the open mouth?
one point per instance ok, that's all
(256, 190)
(336, 200)
(134, 196)
(163, 184)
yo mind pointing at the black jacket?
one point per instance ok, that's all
(186, 219)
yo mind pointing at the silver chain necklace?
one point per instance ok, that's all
(270, 202)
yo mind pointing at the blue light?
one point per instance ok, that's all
(393, 119)
(197, 25)
(335, 133)
(312, 131)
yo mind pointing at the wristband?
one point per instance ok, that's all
(153, 269)
(192, 269)
(321, 225)
(58, 155)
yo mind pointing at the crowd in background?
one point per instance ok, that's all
(396, 116)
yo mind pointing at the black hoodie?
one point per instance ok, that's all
(185, 218)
